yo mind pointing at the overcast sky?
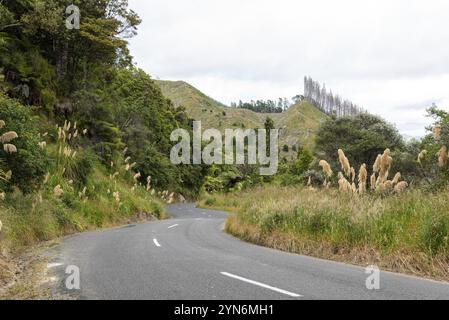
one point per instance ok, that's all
(392, 57)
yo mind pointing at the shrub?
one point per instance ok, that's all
(302, 164)
(210, 201)
(30, 163)
(362, 137)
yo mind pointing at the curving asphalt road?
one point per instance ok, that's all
(189, 257)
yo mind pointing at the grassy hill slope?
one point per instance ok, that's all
(299, 124)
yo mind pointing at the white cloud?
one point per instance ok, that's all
(384, 55)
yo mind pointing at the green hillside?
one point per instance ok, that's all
(212, 113)
(299, 124)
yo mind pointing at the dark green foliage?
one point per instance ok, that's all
(223, 179)
(361, 137)
(261, 106)
(79, 169)
(146, 119)
(302, 164)
(30, 163)
(296, 172)
(86, 76)
(435, 177)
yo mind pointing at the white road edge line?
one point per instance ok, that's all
(175, 225)
(54, 265)
(288, 293)
(156, 243)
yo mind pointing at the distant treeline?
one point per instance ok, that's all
(327, 102)
(261, 106)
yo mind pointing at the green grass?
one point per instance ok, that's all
(27, 220)
(299, 124)
(407, 233)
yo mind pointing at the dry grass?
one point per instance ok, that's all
(405, 233)
(23, 277)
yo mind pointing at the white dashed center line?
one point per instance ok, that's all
(156, 243)
(54, 265)
(175, 225)
(262, 285)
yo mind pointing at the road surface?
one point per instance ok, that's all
(190, 257)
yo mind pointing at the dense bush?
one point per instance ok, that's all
(362, 137)
(30, 163)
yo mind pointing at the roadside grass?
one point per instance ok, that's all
(407, 233)
(78, 193)
(30, 219)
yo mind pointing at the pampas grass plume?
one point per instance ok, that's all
(326, 168)
(8, 137)
(10, 148)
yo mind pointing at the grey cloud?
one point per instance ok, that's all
(378, 53)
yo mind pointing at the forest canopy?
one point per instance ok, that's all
(86, 76)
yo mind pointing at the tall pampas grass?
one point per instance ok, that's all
(400, 187)
(353, 175)
(130, 166)
(82, 193)
(396, 178)
(8, 137)
(344, 162)
(47, 176)
(148, 187)
(376, 166)
(385, 164)
(10, 148)
(387, 186)
(378, 181)
(437, 132)
(442, 157)
(326, 168)
(58, 191)
(421, 156)
(343, 183)
(363, 176)
(116, 196)
(373, 182)
(114, 175)
(67, 146)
